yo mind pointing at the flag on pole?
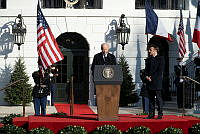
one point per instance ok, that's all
(47, 47)
(154, 25)
(196, 34)
(181, 44)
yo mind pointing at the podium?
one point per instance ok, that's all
(108, 80)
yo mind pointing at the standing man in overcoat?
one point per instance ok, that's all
(154, 74)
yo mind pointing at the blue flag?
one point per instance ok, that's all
(154, 25)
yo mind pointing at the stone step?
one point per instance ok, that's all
(173, 98)
(171, 105)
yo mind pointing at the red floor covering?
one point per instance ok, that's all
(78, 109)
(90, 122)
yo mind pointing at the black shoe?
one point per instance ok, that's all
(149, 117)
(159, 117)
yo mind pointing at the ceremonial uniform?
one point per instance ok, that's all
(40, 92)
(180, 70)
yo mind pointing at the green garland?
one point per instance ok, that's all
(192, 115)
(171, 130)
(195, 129)
(142, 114)
(107, 129)
(12, 129)
(9, 118)
(40, 130)
(138, 130)
(73, 130)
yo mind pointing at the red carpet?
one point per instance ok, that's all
(78, 109)
(85, 117)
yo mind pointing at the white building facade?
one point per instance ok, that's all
(96, 26)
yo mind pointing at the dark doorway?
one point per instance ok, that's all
(76, 63)
(162, 43)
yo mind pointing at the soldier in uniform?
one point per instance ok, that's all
(53, 74)
(40, 92)
(180, 70)
(197, 72)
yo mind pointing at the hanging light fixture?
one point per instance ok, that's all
(19, 31)
(123, 31)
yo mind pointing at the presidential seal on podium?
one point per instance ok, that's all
(108, 72)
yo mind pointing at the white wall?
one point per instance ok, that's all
(21, 4)
(119, 4)
(93, 25)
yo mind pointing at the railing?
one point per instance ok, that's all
(190, 84)
(163, 4)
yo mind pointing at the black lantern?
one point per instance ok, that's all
(19, 31)
(123, 31)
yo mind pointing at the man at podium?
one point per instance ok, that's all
(107, 84)
(103, 58)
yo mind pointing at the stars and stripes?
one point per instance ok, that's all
(181, 44)
(48, 50)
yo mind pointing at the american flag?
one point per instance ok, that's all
(181, 44)
(47, 47)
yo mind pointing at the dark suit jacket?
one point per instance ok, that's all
(155, 68)
(99, 60)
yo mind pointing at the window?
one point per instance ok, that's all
(94, 4)
(53, 3)
(164, 4)
(89, 4)
(2, 4)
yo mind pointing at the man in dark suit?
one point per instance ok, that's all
(144, 92)
(154, 74)
(103, 58)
